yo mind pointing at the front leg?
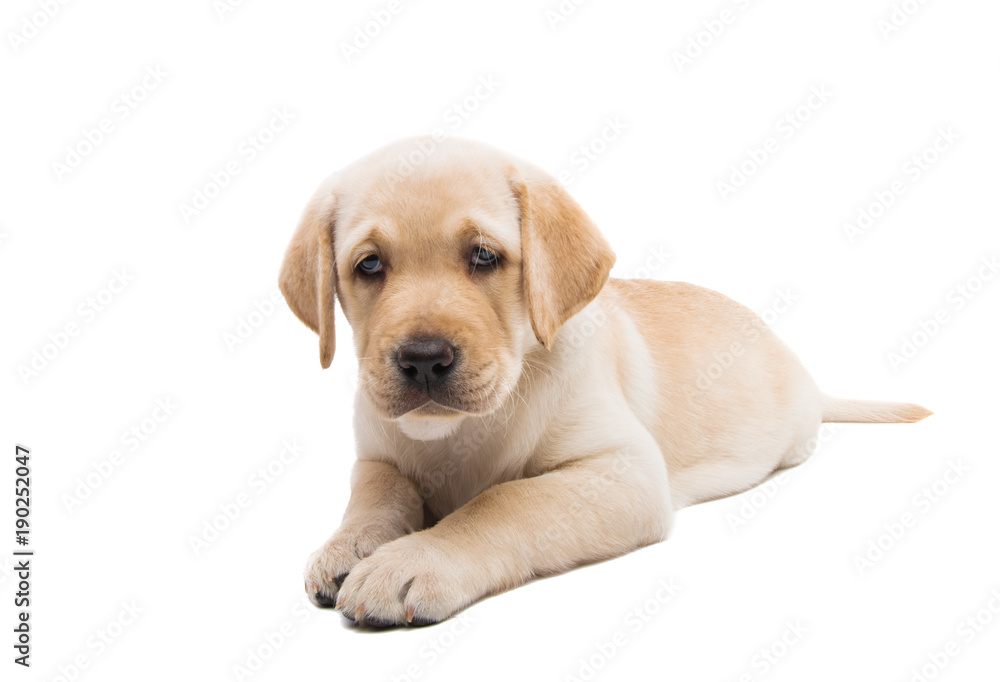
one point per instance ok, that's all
(384, 506)
(586, 510)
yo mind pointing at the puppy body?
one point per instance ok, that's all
(630, 364)
(571, 416)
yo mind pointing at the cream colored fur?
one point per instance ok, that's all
(581, 414)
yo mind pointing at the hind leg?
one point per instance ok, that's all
(807, 424)
(748, 461)
(805, 448)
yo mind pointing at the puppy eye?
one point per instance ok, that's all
(483, 257)
(369, 265)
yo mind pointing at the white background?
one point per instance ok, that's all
(653, 188)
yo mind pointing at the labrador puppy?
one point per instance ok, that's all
(518, 412)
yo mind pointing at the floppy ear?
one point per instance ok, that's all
(565, 259)
(308, 274)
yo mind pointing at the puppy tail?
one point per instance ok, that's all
(872, 411)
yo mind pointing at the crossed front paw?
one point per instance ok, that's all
(409, 581)
(328, 566)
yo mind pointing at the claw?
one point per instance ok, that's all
(359, 612)
(409, 613)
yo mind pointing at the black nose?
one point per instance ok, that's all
(426, 362)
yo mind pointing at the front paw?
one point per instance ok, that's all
(328, 566)
(409, 581)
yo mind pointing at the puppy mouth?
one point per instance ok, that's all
(452, 400)
(429, 402)
(432, 408)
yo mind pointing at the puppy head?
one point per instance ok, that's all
(452, 261)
